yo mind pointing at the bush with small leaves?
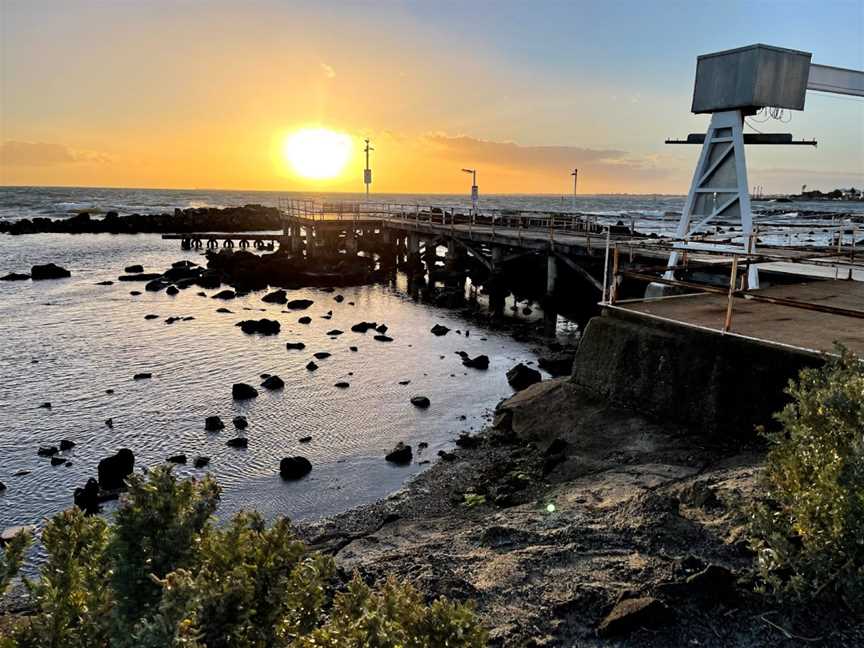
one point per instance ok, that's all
(164, 575)
(11, 557)
(808, 529)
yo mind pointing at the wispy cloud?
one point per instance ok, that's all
(328, 70)
(14, 153)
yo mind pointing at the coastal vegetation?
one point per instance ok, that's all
(807, 530)
(164, 574)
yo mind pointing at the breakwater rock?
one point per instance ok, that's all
(229, 219)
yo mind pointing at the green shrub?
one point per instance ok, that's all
(808, 531)
(164, 575)
(11, 557)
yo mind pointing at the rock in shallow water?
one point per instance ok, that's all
(48, 271)
(201, 462)
(521, 377)
(401, 454)
(440, 330)
(114, 470)
(294, 467)
(294, 346)
(240, 422)
(273, 382)
(241, 443)
(242, 391)
(275, 297)
(213, 424)
(420, 401)
(177, 459)
(15, 276)
(263, 326)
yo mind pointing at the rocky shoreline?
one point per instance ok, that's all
(247, 218)
(574, 522)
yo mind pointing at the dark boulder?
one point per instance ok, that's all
(2, 487)
(420, 401)
(521, 377)
(342, 385)
(334, 332)
(240, 422)
(241, 443)
(294, 467)
(294, 346)
(66, 444)
(58, 461)
(223, 310)
(558, 364)
(480, 362)
(213, 424)
(299, 304)
(273, 382)
(305, 320)
(262, 327)
(177, 459)
(321, 355)
(47, 451)
(381, 328)
(305, 439)
(401, 454)
(362, 327)
(104, 283)
(242, 391)
(383, 338)
(439, 330)
(134, 269)
(467, 441)
(311, 366)
(201, 462)
(339, 299)
(147, 276)
(87, 498)
(48, 271)
(114, 470)
(151, 316)
(144, 375)
(15, 276)
(275, 297)
(223, 294)
(154, 286)
(172, 290)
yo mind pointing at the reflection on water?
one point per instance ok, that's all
(68, 341)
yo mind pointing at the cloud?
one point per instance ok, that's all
(328, 70)
(532, 158)
(14, 153)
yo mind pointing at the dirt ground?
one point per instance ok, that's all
(576, 510)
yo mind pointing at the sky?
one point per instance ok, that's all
(203, 94)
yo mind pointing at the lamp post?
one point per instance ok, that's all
(474, 191)
(367, 172)
(575, 175)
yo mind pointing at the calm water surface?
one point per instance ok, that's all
(67, 341)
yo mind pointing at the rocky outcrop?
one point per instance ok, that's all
(204, 219)
(632, 613)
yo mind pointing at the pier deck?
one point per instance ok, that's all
(802, 328)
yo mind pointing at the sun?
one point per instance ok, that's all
(317, 153)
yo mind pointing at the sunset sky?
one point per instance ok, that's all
(187, 94)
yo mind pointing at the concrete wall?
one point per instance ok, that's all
(714, 384)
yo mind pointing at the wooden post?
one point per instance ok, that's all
(733, 278)
(613, 296)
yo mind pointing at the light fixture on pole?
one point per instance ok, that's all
(367, 172)
(575, 175)
(475, 194)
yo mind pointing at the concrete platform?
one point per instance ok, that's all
(803, 329)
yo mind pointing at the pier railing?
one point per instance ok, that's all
(318, 211)
(834, 264)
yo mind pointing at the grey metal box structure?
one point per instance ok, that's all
(751, 77)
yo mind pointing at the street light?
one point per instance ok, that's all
(575, 175)
(474, 192)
